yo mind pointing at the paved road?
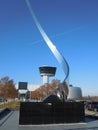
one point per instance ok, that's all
(11, 122)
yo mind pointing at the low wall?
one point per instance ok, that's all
(45, 113)
(4, 112)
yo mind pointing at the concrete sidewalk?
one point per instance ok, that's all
(11, 121)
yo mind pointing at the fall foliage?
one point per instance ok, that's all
(7, 88)
(44, 90)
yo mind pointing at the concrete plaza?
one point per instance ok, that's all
(11, 122)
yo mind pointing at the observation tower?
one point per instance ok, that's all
(46, 72)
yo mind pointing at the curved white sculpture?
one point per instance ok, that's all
(56, 53)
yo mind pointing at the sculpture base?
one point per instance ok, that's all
(32, 113)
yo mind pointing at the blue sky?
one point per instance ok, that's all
(72, 25)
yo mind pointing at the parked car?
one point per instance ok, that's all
(92, 106)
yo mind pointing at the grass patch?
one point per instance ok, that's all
(10, 105)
